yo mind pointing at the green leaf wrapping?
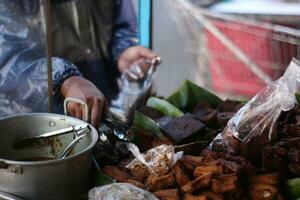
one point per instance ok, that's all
(164, 107)
(189, 95)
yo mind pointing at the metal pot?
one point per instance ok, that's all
(50, 179)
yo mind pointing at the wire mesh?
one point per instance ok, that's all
(241, 54)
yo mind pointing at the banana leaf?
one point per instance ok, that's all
(164, 107)
(189, 95)
(142, 123)
(293, 187)
(102, 179)
(297, 97)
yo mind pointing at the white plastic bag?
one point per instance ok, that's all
(260, 114)
(158, 160)
(120, 191)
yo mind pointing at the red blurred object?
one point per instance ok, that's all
(259, 43)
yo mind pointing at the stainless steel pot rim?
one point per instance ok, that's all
(55, 161)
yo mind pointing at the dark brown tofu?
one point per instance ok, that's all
(182, 128)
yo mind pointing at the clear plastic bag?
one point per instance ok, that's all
(135, 86)
(120, 191)
(260, 114)
(158, 160)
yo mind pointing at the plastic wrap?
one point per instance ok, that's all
(260, 114)
(120, 191)
(158, 160)
(23, 68)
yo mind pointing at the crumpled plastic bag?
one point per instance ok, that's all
(120, 191)
(260, 114)
(158, 160)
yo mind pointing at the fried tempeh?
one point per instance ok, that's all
(200, 182)
(214, 169)
(155, 182)
(263, 191)
(212, 154)
(117, 174)
(269, 179)
(191, 162)
(230, 166)
(224, 183)
(180, 175)
(167, 194)
(136, 183)
(212, 196)
(194, 197)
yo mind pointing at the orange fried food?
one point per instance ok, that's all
(167, 194)
(200, 182)
(270, 179)
(224, 183)
(212, 196)
(155, 182)
(136, 183)
(263, 192)
(214, 169)
(117, 174)
(191, 162)
(180, 175)
(194, 197)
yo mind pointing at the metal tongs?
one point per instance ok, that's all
(71, 129)
(118, 127)
(80, 131)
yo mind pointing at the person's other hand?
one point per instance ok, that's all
(82, 89)
(136, 54)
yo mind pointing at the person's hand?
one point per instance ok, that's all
(82, 89)
(136, 54)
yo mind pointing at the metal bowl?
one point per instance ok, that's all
(51, 178)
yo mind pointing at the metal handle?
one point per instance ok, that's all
(6, 196)
(73, 100)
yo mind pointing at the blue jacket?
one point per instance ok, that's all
(23, 71)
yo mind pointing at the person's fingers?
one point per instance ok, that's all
(143, 66)
(146, 53)
(96, 113)
(76, 110)
(71, 109)
(79, 111)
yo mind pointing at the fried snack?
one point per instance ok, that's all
(117, 174)
(279, 197)
(155, 182)
(200, 182)
(194, 197)
(263, 191)
(180, 175)
(224, 183)
(212, 196)
(167, 194)
(269, 179)
(214, 169)
(136, 183)
(191, 162)
(139, 171)
(208, 153)
(230, 166)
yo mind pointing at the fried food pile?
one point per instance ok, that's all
(210, 175)
(203, 123)
(283, 154)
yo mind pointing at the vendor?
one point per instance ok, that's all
(99, 36)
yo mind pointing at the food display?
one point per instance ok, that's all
(189, 122)
(210, 175)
